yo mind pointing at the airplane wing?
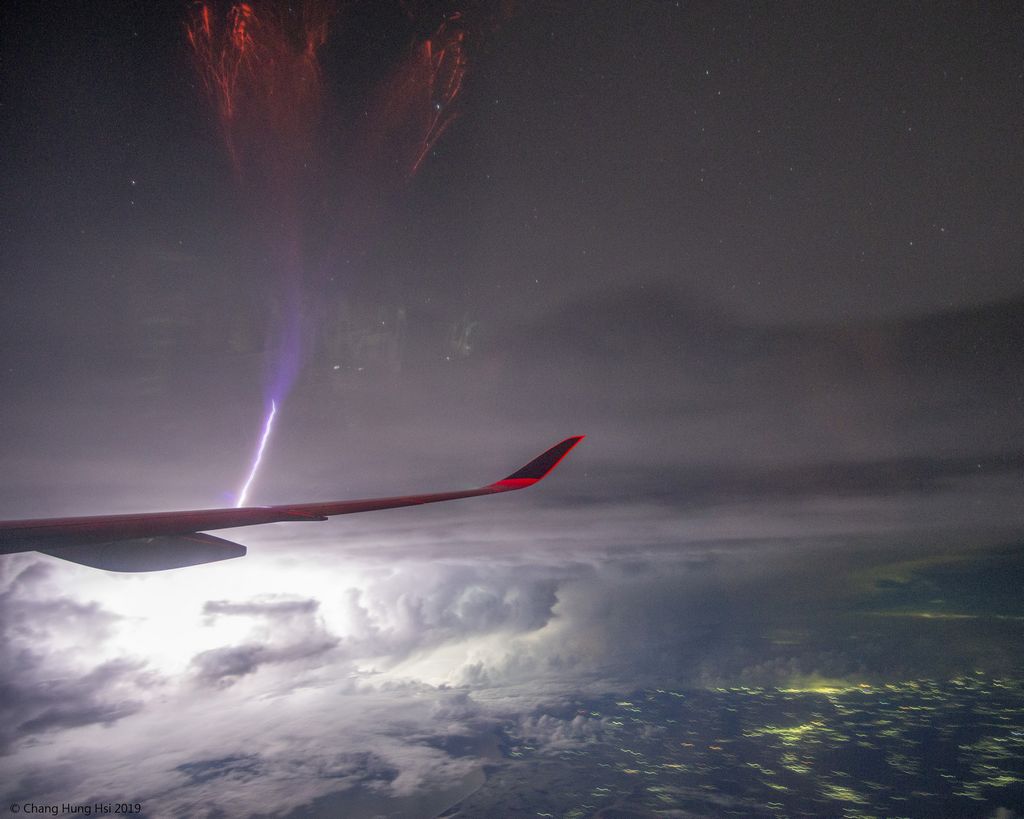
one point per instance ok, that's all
(168, 540)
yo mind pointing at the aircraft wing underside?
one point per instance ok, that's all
(168, 540)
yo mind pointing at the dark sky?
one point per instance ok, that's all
(768, 257)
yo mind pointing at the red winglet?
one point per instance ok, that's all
(539, 467)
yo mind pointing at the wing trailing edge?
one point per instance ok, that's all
(167, 540)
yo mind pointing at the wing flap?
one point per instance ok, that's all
(150, 554)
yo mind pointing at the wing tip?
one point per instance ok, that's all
(539, 468)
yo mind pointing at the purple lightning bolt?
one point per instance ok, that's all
(267, 426)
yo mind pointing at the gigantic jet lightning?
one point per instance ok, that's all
(267, 427)
(169, 540)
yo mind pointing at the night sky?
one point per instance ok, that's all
(768, 258)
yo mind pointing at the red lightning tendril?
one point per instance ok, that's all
(421, 95)
(259, 66)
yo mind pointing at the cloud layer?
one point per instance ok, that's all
(395, 678)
